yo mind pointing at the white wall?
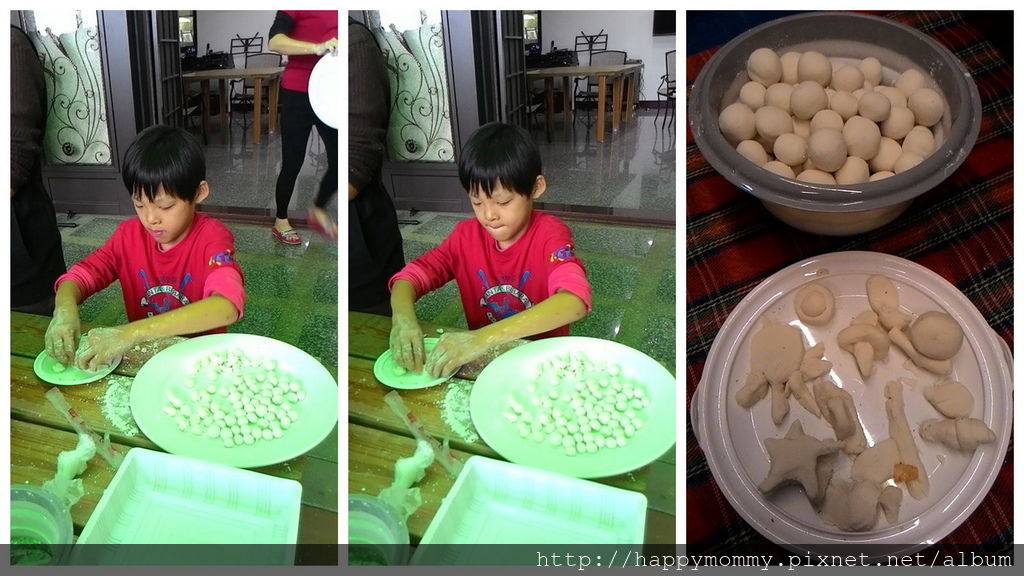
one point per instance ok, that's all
(218, 27)
(627, 30)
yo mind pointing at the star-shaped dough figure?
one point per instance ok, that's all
(794, 459)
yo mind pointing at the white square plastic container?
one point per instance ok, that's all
(495, 502)
(159, 498)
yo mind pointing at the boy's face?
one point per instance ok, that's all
(168, 218)
(506, 214)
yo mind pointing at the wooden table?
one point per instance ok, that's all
(39, 433)
(377, 437)
(258, 75)
(619, 73)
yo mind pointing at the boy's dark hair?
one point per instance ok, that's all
(164, 156)
(499, 154)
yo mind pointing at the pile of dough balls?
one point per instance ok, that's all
(236, 400)
(807, 117)
(579, 405)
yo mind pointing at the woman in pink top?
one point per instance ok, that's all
(304, 36)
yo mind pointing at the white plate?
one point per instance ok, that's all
(384, 371)
(510, 375)
(324, 88)
(169, 369)
(494, 502)
(70, 375)
(157, 498)
(732, 436)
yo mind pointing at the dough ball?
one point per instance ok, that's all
(911, 81)
(827, 119)
(814, 66)
(898, 124)
(847, 79)
(737, 122)
(854, 171)
(920, 141)
(906, 161)
(888, 151)
(807, 99)
(844, 104)
(872, 70)
(780, 169)
(827, 149)
(862, 136)
(764, 66)
(752, 94)
(779, 95)
(816, 177)
(753, 151)
(927, 106)
(771, 122)
(57, 367)
(791, 149)
(874, 106)
(881, 175)
(896, 98)
(789, 65)
(936, 335)
(802, 128)
(815, 304)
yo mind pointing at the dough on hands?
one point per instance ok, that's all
(794, 459)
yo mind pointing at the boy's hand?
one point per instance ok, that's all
(62, 335)
(101, 346)
(325, 47)
(407, 343)
(453, 350)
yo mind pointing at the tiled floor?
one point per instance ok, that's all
(632, 172)
(243, 175)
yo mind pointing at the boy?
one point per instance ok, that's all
(176, 267)
(515, 267)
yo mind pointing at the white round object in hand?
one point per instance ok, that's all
(325, 89)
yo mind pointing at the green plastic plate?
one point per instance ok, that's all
(385, 370)
(44, 367)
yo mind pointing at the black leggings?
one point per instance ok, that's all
(297, 119)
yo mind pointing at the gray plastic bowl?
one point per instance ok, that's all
(838, 210)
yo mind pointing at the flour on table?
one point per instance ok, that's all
(455, 409)
(116, 405)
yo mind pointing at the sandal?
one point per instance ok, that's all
(289, 236)
(322, 224)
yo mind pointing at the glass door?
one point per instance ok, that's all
(88, 82)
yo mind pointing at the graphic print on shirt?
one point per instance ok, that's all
(563, 254)
(161, 297)
(503, 298)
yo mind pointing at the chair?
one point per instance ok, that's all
(246, 92)
(587, 98)
(667, 88)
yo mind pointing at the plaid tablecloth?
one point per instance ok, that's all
(962, 230)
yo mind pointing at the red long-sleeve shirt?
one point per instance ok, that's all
(153, 281)
(495, 284)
